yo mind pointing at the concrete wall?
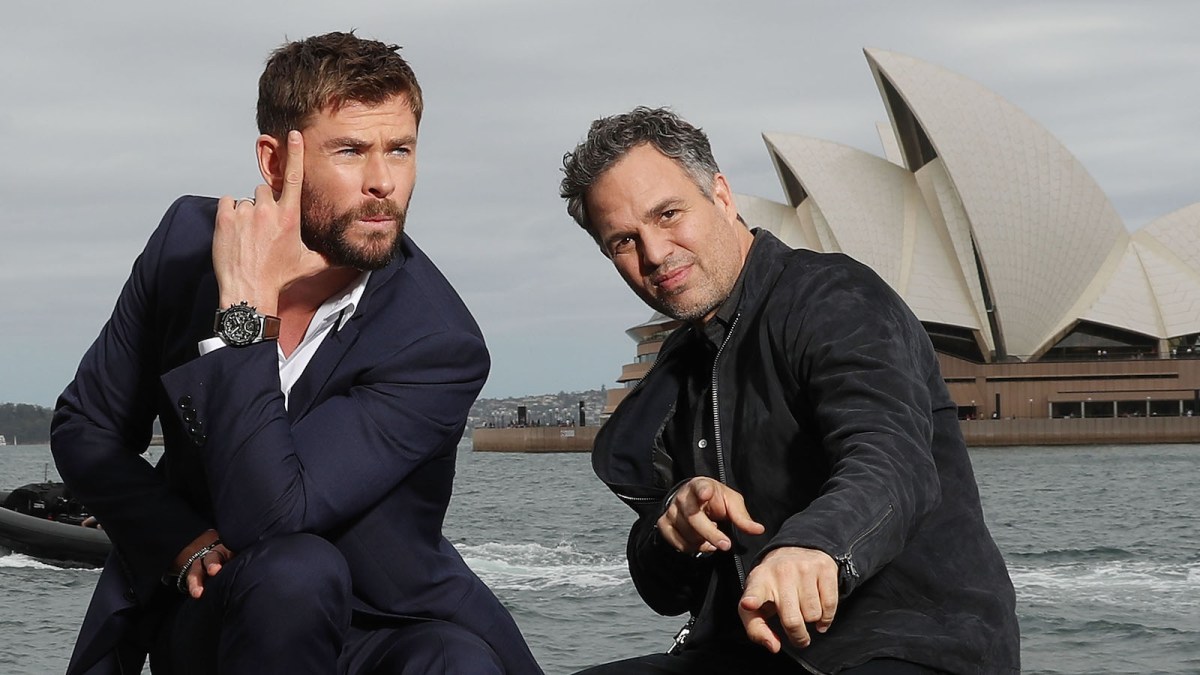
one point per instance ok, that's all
(534, 439)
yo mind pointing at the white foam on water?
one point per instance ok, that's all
(21, 561)
(1129, 583)
(533, 567)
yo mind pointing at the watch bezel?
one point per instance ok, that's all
(242, 325)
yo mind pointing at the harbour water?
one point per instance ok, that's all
(1103, 544)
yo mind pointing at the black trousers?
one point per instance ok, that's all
(740, 660)
(283, 606)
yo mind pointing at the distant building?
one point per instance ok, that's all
(1040, 302)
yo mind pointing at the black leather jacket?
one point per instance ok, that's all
(833, 421)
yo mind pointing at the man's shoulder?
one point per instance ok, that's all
(806, 271)
(193, 206)
(419, 289)
(189, 220)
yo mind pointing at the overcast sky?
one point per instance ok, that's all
(112, 109)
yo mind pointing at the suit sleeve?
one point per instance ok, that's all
(269, 477)
(102, 425)
(862, 363)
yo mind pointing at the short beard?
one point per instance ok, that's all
(710, 298)
(691, 313)
(327, 233)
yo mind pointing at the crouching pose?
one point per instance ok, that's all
(312, 371)
(801, 485)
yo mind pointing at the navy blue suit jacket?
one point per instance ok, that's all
(363, 455)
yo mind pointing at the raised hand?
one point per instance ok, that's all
(257, 247)
(800, 586)
(690, 521)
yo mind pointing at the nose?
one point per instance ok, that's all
(655, 248)
(377, 180)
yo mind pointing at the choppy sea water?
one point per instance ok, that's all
(1103, 544)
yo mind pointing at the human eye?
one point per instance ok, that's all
(668, 214)
(620, 245)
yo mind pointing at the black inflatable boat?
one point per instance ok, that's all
(42, 521)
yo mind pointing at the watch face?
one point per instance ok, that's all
(240, 325)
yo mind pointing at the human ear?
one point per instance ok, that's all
(723, 197)
(271, 161)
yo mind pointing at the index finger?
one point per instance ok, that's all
(736, 513)
(293, 177)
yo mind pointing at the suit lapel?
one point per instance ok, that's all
(333, 348)
(306, 392)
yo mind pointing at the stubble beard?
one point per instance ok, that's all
(329, 233)
(711, 291)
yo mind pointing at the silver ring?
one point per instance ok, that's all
(244, 199)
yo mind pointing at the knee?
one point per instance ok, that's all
(295, 571)
(464, 652)
(436, 648)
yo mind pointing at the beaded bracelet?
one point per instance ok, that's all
(181, 581)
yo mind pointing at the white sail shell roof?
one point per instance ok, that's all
(992, 211)
(1037, 217)
(877, 215)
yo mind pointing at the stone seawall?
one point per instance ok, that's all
(978, 433)
(1082, 431)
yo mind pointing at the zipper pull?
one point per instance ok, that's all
(682, 636)
(846, 564)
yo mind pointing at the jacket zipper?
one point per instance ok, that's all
(845, 561)
(682, 636)
(722, 476)
(636, 500)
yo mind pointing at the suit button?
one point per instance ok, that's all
(189, 415)
(200, 438)
(185, 402)
(130, 596)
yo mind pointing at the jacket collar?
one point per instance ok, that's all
(763, 265)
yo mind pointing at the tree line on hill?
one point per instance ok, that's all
(30, 424)
(25, 423)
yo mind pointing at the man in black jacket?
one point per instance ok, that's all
(801, 483)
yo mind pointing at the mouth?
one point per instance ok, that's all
(378, 223)
(671, 280)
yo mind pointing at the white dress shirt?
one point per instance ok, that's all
(337, 310)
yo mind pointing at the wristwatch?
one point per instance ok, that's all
(242, 325)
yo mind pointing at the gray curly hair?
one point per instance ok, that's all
(610, 138)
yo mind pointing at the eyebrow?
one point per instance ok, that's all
(359, 144)
(663, 205)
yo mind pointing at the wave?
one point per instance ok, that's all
(1070, 555)
(21, 561)
(533, 567)
(1167, 588)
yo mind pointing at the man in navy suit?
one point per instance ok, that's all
(312, 371)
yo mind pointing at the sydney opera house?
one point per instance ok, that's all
(1041, 303)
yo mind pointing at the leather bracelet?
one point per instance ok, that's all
(181, 580)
